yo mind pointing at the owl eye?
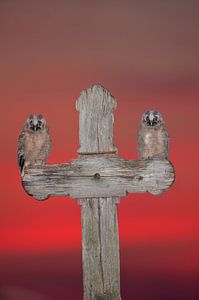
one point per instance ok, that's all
(39, 123)
(156, 118)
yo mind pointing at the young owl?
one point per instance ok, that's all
(34, 142)
(153, 139)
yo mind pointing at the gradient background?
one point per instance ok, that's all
(147, 54)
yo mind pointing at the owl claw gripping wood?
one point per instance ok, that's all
(34, 142)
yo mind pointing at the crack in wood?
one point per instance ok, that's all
(100, 243)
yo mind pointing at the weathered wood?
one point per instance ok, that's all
(96, 106)
(98, 177)
(100, 248)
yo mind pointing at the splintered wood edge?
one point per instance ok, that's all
(98, 177)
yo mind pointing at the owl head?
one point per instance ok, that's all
(35, 123)
(152, 119)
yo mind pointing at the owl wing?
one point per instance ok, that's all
(21, 154)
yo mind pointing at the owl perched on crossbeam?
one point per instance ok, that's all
(153, 139)
(34, 142)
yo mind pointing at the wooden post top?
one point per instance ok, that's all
(96, 106)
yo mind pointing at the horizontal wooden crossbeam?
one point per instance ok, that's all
(98, 176)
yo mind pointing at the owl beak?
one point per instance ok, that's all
(151, 119)
(151, 122)
(35, 127)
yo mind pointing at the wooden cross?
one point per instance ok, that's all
(98, 177)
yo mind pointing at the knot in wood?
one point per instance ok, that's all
(139, 177)
(97, 176)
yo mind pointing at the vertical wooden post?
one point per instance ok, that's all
(100, 241)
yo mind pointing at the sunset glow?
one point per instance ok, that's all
(146, 55)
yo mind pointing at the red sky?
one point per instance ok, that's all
(146, 54)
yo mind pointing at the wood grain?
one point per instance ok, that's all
(100, 255)
(116, 177)
(96, 106)
(100, 248)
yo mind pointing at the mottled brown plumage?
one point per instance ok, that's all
(34, 142)
(153, 139)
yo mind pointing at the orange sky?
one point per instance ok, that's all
(146, 55)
